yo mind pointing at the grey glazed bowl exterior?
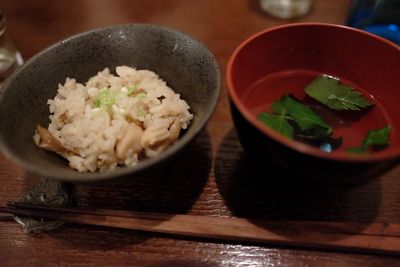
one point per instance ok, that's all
(183, 62)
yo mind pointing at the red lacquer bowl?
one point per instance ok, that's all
(285, 59)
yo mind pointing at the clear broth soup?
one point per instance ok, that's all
(352, 126)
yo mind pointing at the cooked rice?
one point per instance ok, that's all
(116, 120)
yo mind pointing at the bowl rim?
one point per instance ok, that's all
(77, 176)
(293, 144)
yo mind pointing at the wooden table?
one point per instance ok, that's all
(211, 178)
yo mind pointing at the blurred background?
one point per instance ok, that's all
(43, 22)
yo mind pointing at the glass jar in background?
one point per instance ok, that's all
(380, 17)
(286, 9)
(10, 58)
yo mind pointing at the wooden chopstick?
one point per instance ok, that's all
(341, 236)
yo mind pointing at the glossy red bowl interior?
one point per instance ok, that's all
(285, 59)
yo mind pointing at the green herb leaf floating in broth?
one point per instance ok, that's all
(277, 122)
(378, 137)
(316, 132)
(303, 115)
(331, 92)
(278, 108)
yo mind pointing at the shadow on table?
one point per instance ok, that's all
(173, 188)
(273, 194)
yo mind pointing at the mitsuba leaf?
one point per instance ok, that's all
(331, 92)
(277, 122)
(278, 108)
(304, 116)
(316, 132)
(378, 137)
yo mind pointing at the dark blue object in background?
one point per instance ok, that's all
(381, 17)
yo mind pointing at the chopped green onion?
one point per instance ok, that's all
(97, 103)
(128, 90)
(131, 89)
(106, 98)
(141, 96)
(141, 113)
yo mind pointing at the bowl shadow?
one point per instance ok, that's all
(172, 188)
(269, 192)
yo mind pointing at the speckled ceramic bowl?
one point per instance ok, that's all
(183, 62)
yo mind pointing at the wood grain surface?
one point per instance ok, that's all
(212, 177)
